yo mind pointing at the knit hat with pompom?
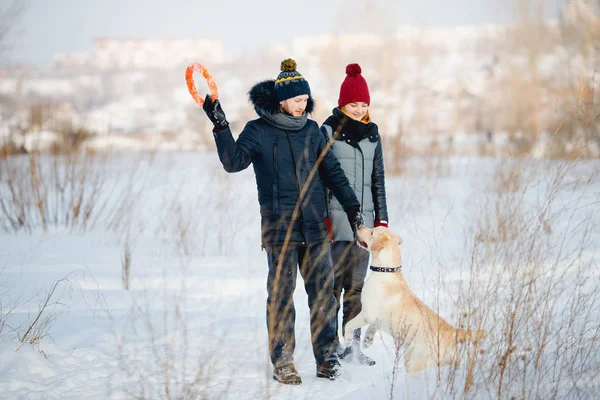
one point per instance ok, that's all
(290, 83)
(354, 88)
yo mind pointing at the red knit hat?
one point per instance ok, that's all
(354, 88)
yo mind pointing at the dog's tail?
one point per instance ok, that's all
(467, 335)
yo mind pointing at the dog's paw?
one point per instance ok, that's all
(346, 354)
(355, 356)
(370, 336)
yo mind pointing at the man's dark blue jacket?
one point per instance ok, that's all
(283, 161)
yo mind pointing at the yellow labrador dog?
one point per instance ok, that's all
(389, 304)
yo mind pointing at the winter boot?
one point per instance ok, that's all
(331, 370)
(287, 375)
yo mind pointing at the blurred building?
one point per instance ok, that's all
(132, 53)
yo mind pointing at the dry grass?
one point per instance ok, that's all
(175, 363)
(196, 220)
(538, 294)
(198, 217)
(7, 307)
(126, 264)
(172, 373)
(11, 149)
(533, 285)
(396, 154)
(531, 281)
(36, 326)
(77, 191)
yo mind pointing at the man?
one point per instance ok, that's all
(285, 148)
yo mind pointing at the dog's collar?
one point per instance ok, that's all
(386, 269)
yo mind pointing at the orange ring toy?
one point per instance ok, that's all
(189, 78)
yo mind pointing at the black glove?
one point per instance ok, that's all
(215, 113)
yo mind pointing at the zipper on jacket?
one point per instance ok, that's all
(275, 187)
(287, 135)
(362, 192)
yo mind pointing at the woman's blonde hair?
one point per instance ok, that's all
(365, 120)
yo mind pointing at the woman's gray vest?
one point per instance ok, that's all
(358, 167)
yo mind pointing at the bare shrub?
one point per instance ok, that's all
(400, 335)
(535, 289)
(500, 219)
(10, 148)
(71, 139)
(181, 367)
(396, 153)
(78, 191)
(35, 327)
(195, 214)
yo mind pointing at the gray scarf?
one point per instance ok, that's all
(284, 121)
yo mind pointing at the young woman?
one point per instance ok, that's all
(357, 145)
(283, 145)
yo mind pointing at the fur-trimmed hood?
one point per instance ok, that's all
(263, 98)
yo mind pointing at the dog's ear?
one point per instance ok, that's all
(398, 239)
(379, 242)
(394, 237)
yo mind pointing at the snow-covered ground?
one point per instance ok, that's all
(192, 324)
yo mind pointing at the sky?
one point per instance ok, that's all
(50, 26)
